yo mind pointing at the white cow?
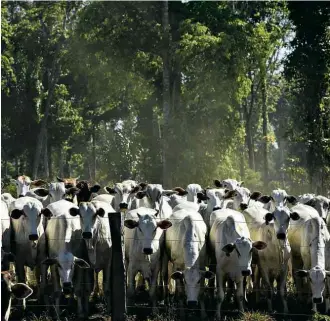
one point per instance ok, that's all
(228, 183)
(214, 201)
(144, 242)
(231, 243)
(96, 233)
(186, 250)
(5, 230)
(123, 194)
(23, 184)
(319, 202)
(307, 237)
(27, 224)
(271, 228)
(9, 289)
(66, 252)
(8, 199)
(54, 192)
(192, 190)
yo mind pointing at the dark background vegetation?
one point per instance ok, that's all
(168, 92)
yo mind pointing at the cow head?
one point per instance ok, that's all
(230, 184)
(69, 182)
(18, 290)
(241, 197)
(213, 197)
(192, 190)
(23, 184)
(242, 248)
(123, 194)
(55, 191)
(148, 230)
(66, 263)
(191, 277)
(85, 193)
(89, 214)
(281, 217)
(321, 204)
(317, 277)
(28, 210)
(278, 197)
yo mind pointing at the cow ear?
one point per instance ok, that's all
(41, 192)
(16, 214)
(229, 194)
(131, 224)
(72, 190)
(291, 199)
(74, 211)
(143, 185)
(164, 224)
(21, 291)
(110, 190)
(81, 263)
(294, 216)
(95, 188)
(268, 218)
(60, 179)
(39, 182)
(202, 196)
(180, 191)
(50, 261)
(46, 212)
(255, 195)
(208, 275)
(217, 183)
(228, 248)
(301, 273)
(100, 212)
(169, 192)
(259, 245)
(311, 202)
(177, 275)
(140, 194)
(264, 199)
(135, 189)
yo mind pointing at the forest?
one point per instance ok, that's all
(167, 92)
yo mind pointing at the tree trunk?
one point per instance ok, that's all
(94, 154)
(46, 165)
(61, 162)
(50, 160)
(167, 182)
(264, 129)
(250, 145)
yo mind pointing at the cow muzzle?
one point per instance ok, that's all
(147, 251)
(215, 208)
(192, 304)
(317, 300)
(246, 273)
(67, 288)
(243, 206)
(280, 236)
(87, 235)
(123, 206)
(33, 237)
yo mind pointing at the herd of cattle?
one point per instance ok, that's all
(188, 242)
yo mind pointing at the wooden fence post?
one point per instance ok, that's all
(118, 273)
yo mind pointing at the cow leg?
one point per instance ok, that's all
(281, 288)
(256, 284)
(202, 298)
(153, 286)
(57, 289)
(131, 284)
(220, 294)
(20, 273)
(96, 288)
(240, 295)
(269, 287)
(107, 288)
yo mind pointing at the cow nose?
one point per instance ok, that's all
(215, 208)
(317, 300)
(243, 206)
(21, 195)
(192, 304)
(147, 251)
(123, 206)
(246, 272)
(33, 237)
(67, 285)
(280, 236)
(87, 235)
